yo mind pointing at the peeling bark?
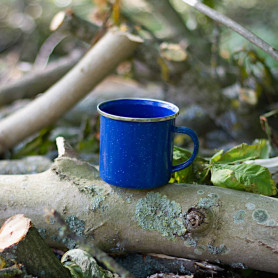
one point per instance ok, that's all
(183, 220)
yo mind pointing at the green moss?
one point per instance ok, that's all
(222, 249)
(79, 172)
(239, 217)
(42, 232)
(190, 242)
(96, 202)
(69, 243)
(97, 194)
(88, 189)
(76, 225)
(213, 195)
(206, 203)
(250, 206)
(271, 222)
(200, 249)
(156, 213)
(200, 192)
(260, 216)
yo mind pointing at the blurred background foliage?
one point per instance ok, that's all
(217, 58)
(24, 24)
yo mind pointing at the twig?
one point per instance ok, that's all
(46, 50)
(100, 256)
(64, 23)
(218, 17)
(215, 50)
(68, 22)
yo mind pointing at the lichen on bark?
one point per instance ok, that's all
(157, 213)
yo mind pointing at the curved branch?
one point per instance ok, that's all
(218, 17)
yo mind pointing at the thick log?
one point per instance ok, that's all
(183, 220)
(18, 237)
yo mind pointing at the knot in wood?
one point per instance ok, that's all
(197, 219)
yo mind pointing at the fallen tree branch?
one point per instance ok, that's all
(47, 49)
(182, 220)
(69, 23)
(98, 254)
(103, 58)
(38, 81)
(220, 18)
(147, 53)
(26, 165)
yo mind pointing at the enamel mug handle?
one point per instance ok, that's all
(192, 134)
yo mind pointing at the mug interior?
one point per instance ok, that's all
(138, 109)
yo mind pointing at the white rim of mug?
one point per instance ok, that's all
(131, 119)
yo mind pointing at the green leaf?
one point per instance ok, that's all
(38, 145)
(83, 265)
(196, 173)
(243, 152)
(74, 269)
(181, 153)
(246, 177)
(88, 146)
(88, 142)
(216, 156)
(264, 146)
(186, 175)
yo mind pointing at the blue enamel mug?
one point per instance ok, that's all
(136, 142)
